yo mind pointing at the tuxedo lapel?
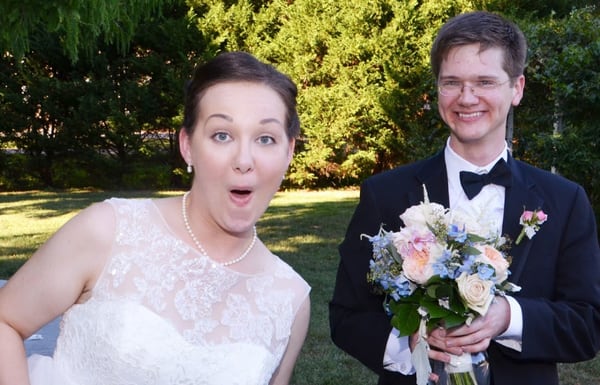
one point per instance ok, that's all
(434, 176)
(519, 197)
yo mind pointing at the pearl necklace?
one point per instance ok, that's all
(199, 246)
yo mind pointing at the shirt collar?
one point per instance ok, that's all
(455, 163)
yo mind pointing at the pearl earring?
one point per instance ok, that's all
(189, 168)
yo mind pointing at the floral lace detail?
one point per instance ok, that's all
(162, 313)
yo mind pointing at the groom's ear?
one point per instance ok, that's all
(518, 89)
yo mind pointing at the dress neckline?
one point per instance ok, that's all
(271, 265)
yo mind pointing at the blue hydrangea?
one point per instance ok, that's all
(485, 271)
(402, 286)
(380, 244)
(467, 265)
(441, 267)
(457, 234)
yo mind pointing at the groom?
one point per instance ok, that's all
(478, 60)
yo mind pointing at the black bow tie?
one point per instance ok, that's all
(473, 183)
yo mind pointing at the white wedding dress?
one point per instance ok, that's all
(164, 314)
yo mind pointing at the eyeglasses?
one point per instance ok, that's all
(478, 88)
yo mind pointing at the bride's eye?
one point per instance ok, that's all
(221, 137)
(266, 139)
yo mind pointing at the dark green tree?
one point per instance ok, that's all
(537, 9)
(108, 120)
(556, 127)
(367, 97)
(78, 24)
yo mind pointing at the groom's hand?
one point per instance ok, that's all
(438, 346)
(477, 336)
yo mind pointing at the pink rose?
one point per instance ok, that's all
(526, 216)
(496, 259)
(533, 217)
(541, 217)
(418, 248)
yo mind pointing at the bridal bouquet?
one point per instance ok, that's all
(442, 268)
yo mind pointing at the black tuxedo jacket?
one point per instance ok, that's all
(558, 270)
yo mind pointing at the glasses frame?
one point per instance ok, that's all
(476, 90)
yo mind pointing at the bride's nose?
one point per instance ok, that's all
(244, 158)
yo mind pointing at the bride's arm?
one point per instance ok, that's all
(59, 274)
(283, 374)
(13, 365)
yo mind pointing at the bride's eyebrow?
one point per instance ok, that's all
(230, 119)
(221, 116)
(270, 120)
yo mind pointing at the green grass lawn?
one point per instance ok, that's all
(303, 228)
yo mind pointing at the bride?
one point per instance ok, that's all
(176, 290)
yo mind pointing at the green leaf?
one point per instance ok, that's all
(469, 250)
(475, 238)
(435, 310)
(406, 318)
(432, 290)
(397, 257)
(443, 291)
(452, 320)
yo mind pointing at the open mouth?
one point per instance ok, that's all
(241, 197)
(241, 192)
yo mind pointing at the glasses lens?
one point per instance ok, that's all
(480, 88)
(450, 90)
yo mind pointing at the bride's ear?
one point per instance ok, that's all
(184, 145)
(291, 148)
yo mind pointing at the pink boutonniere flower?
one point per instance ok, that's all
(531, 222)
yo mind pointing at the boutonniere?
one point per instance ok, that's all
(531, 222)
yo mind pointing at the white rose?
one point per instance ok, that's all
(423, 214)
(475, 292)
(474, 222)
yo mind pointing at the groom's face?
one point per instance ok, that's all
(477, 110)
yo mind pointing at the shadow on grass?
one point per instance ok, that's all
(8, 266)
(47, 204)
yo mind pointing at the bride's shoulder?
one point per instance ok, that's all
(100, 222)
(86, 222)
(288, 274)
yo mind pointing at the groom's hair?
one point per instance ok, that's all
(487, 29)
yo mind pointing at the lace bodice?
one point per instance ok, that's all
(162, 313)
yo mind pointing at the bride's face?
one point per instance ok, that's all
(240, 152)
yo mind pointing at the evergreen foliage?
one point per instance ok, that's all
(78, 23)
(105, 121)
(367, 97)
(557, 125)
